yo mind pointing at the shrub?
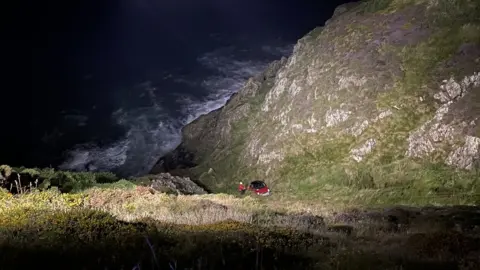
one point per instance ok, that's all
(46, 178)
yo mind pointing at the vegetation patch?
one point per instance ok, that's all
(386, 6)
(373, 6)
(57, 234)
(21, 180)
(102, 241)
(227, 165)
(315, 32)
(457, 12)
(325, 176)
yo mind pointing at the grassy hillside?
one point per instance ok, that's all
(121, 225)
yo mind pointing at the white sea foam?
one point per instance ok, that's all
(152, 132)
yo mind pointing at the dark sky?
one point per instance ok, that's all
(49, 47)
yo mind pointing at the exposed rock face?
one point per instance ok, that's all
(457, 131)
(164, 182)
(176, 160)
(382, 81)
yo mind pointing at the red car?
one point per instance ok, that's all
(259, 188)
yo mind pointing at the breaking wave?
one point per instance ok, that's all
(153, 130)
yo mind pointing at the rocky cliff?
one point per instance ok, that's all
(386, 93)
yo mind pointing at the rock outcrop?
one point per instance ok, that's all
(166, 183)
(383, 82)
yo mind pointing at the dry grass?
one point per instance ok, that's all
(132, 204)
(203, 226)
(140, 203)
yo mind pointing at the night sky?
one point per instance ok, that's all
(92, 63)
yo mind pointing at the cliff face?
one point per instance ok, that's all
(386, 87)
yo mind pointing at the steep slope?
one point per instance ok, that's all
(386, 94)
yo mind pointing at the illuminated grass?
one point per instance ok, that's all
(62, 229)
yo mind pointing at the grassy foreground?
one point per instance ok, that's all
(123, 226)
